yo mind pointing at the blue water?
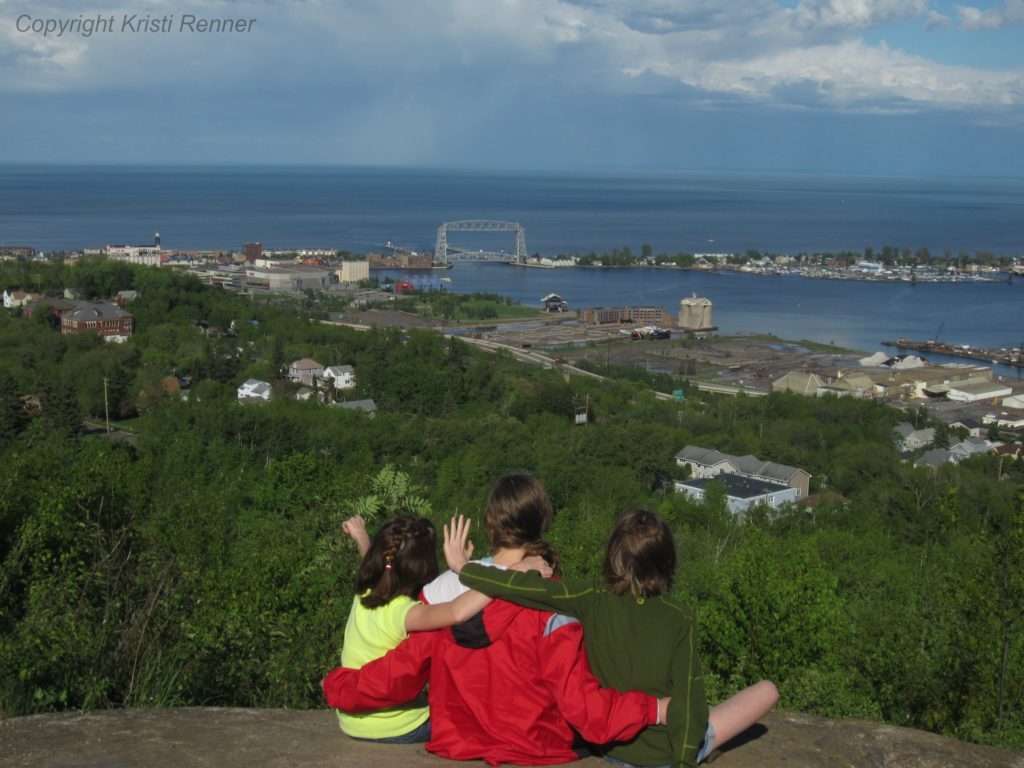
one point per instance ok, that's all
(855, 314)
(357, 209)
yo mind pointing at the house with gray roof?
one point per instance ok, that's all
(253, 389)
(741, 492)
(935, 458)
(911, 439)
(305, 371)
(366, 406)
(707, 462)
(972, 446)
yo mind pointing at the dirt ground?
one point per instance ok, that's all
(751, 361)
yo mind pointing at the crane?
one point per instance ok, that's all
(935, 339)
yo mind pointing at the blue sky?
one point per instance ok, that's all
(878, 87)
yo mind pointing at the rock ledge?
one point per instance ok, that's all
(243, 738)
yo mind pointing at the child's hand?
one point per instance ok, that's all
(533, 563)
(355, 527)
(663, 710)
(457, 547)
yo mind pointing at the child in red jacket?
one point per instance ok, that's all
(511, 685)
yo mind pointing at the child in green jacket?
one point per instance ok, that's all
(637, 637)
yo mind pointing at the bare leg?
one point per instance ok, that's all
(734, 715)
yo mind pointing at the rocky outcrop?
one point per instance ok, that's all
(247, 738)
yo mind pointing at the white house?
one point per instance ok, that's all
(911, 439)
(254, 388)
(741, 492)
(343, 376)
(15, 299)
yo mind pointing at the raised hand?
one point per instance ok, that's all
(355, 527)
(458, 549)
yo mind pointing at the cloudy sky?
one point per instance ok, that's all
(893, 87)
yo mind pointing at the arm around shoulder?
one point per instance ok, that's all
(529, 589)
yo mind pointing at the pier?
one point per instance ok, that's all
(1013, 357)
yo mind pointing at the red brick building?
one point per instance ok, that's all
(109, 321)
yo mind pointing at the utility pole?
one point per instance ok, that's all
(106, 404)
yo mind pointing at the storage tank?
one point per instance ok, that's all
(695, 313)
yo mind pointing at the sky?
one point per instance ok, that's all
(867, 87)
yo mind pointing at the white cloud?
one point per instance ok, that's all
(974, 19)
(855, 14)
(441, 61)
(936, 20)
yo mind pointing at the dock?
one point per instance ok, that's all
(1013, 357)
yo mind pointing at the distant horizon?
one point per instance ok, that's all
(359, 208)
(603, 170)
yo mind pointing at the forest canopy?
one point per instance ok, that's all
(195, 556)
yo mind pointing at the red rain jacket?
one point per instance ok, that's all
(509, 699)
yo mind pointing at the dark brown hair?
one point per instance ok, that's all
(402, 558)
(641, 555)
(518, 514)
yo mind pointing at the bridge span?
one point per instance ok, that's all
(444, 254)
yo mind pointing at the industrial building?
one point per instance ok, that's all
(695, 314)
(354, 271)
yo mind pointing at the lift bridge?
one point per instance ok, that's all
(445, 254)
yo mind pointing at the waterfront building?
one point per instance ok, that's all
(695, 313)
(620, 315)
(146, 255)
(252, 251)
(400, 260)
(974, 392)
(354, 271)
(554, 303)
